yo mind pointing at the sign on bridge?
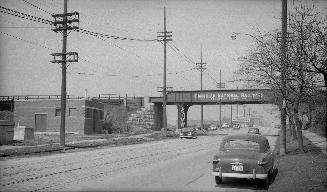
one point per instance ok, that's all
(213, 97)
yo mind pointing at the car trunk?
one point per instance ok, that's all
(236, 162)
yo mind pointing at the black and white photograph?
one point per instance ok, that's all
(163, 95)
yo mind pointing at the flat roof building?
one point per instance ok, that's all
(82, 116)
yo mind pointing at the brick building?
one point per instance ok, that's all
(82, 116)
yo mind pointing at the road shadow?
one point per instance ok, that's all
(233, 183)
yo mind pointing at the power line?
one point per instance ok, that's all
(24, 15)
(85, 31)
(30, 42)
(31, 4)
(96, 34)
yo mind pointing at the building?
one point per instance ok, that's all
(82, 116)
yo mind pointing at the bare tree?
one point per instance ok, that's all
(309, 48)
(306, 63)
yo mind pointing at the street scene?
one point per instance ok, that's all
(163, 95)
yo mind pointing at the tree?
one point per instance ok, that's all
(310, 46)
(306, 62)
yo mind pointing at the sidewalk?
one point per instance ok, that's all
(317, 140)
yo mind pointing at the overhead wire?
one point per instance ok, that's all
(31, 4)
(92, 33)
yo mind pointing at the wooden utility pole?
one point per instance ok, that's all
(63, 23)
(283, 78)
(220, 86)
(201, 67)
(164, 36)
(63, 78)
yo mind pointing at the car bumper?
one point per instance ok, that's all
(252, 175)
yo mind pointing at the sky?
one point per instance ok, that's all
(135, 68)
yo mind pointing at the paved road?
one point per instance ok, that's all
(168, 165)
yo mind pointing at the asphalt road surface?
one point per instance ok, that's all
(169, 165)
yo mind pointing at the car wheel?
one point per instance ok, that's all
(218, 179)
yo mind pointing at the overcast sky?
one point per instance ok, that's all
(124, 66)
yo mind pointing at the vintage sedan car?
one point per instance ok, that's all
(213, 127)
(225, 125)
(189, 132)
(236, 126)
(254, 130)
(244, 156)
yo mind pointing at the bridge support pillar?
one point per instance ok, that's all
(179, 108)
(158, 114)
(182, 115)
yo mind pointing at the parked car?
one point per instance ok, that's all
(225, 125)
(213, 127)
(254, 130)
(244, 156)
(188, 133)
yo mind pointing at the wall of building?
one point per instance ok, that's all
(94, 117)
(6, 131)
(76, 111)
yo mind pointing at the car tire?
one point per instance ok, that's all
(218, 180)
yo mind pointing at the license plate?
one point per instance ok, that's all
(237, 167)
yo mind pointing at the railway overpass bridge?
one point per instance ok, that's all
(185, 99)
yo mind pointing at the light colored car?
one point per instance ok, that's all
(244, 156)
(213, 127)
(254, 130)
(189, 133)
(225, 125)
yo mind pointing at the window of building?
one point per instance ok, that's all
(88, 113)
(58, 112)
(73, 112)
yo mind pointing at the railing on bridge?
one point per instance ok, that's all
(116, 99)
(35, 97)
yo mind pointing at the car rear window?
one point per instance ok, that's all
(242, 145)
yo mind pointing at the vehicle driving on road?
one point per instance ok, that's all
(225, 125)
(213, 127)
(244, 156)
(189, 132)
(254, 130)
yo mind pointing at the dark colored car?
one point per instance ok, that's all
(254, 130)
(236, 126)
(244, 156)
(188, 133)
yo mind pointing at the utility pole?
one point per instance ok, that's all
(63, 23)
(283, 78)
(201, 67)
(220, 86)
(164, 36)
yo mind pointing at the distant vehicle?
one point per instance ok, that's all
(213, 127)
(277, 126)
(254, 130)
(236, 126)
(225, 125)
(189, 132)
(244, 156)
